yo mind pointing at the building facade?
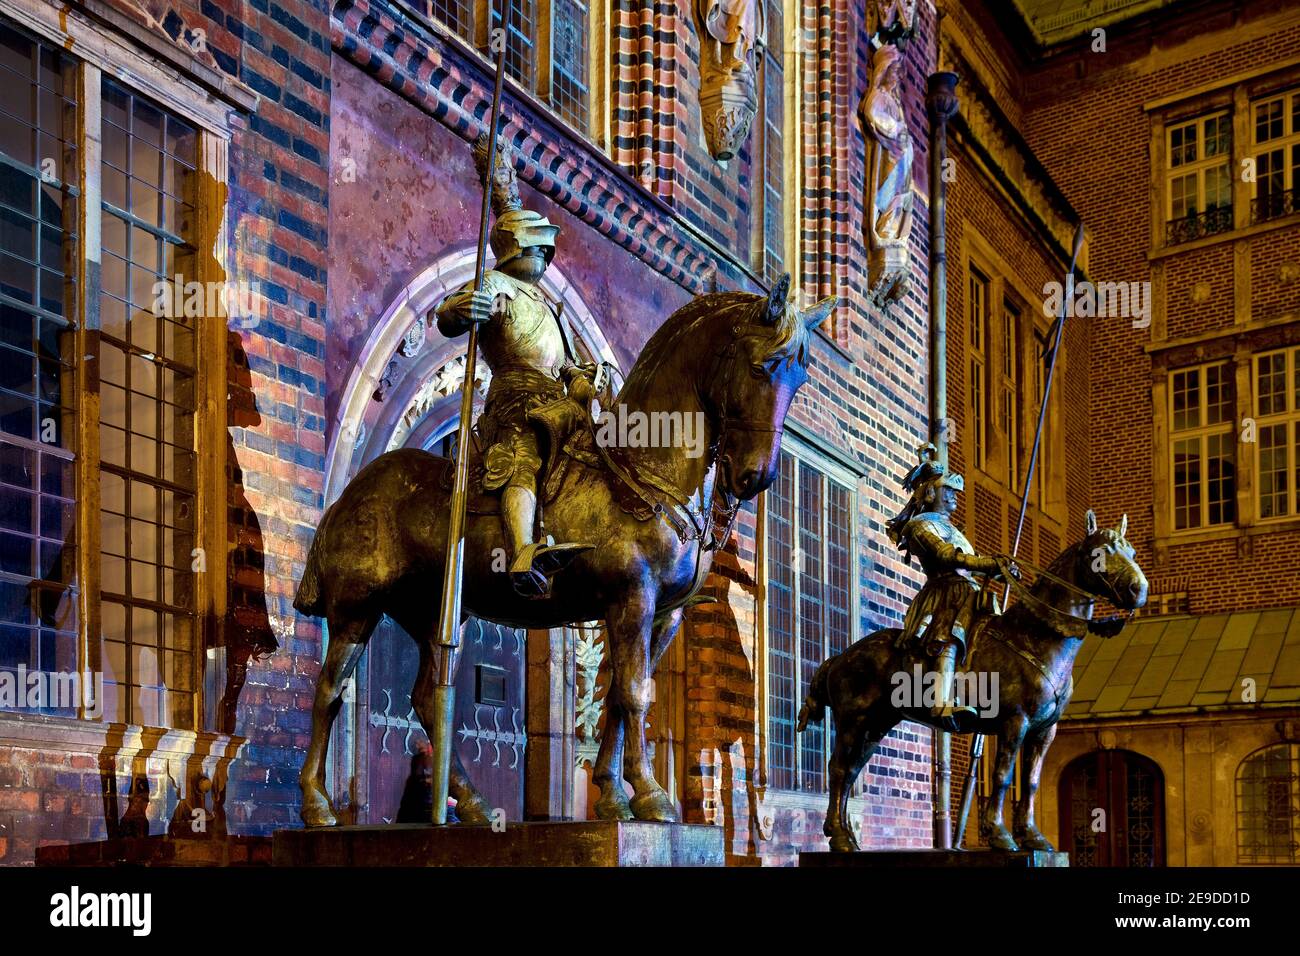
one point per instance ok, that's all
(226, 222)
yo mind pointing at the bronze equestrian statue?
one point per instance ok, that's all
(1031, 648)
(737, 359)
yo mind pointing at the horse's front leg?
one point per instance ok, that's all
(991, 823)
(1034, 750)
(612, 804)
(630, 638)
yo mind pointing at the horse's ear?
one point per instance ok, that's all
(1123, 526)
(776, 300)
(816, 315)
(1090, 522)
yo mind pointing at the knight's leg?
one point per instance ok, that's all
(347, 642)
(945, 707)
(629, 638)
(518, 513)
(1032, 753)
(532, 563)
(992, 826)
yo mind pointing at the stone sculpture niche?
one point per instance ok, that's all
(731, 33)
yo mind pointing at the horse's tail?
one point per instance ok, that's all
(814, 704)
(309, 600)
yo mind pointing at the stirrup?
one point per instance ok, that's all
(954, 718)
(536, 563)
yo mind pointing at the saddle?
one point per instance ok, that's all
(568, 441)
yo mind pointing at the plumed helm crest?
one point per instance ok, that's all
(516, 228)
(923, 481)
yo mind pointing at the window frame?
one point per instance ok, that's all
(98, 52)
(1289, 419)
(1202, 432)
(977, 348)
(803, 452)
(539, 85)
(1242, 815)
(1010, 376)
(1199, 168)
(1287, 142)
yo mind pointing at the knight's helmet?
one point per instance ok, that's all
(923, 482)
(516, 228)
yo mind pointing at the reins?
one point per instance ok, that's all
(1075, 625)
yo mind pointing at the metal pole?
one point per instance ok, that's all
(977, 748)
(941, 98)
(444, 693)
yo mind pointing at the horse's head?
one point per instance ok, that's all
(760, 370)
(1105, 565)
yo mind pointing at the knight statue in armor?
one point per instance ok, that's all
(524, 342)
(941, 620)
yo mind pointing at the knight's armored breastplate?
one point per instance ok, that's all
(526, 335)
(957, 539)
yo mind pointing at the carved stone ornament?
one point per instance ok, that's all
(887, 219)
(413, 340)
(896, 21)
(731, 31)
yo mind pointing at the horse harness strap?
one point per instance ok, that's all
(1057, 691)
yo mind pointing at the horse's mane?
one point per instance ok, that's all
(1064, 562)
(694, 323)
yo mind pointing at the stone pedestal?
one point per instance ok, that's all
(962, 859)
(160, 851)
(542, 843)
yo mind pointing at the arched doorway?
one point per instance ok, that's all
(1112, 810)
(404, 391)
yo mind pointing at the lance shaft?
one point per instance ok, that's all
(444, 692)
(977, 747)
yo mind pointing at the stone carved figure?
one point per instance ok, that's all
(887, 205)
(1031, 648)
(524, 343)
(731, 32)
(735, 358)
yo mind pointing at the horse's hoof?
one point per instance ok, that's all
(654, 806)
(473, 811)
(1033, 840)
(1000, 839)
(844, 843)
(613, 808)
(316, 810)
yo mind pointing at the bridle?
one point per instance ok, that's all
(1073, 625)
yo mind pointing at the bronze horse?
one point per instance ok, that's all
(1031, 649)
(737, 358)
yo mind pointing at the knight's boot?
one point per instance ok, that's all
(534, 562)
(950, 715)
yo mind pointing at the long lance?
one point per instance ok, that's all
(444, 692)
(977, 747)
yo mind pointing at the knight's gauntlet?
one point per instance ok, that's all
(462, 309)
